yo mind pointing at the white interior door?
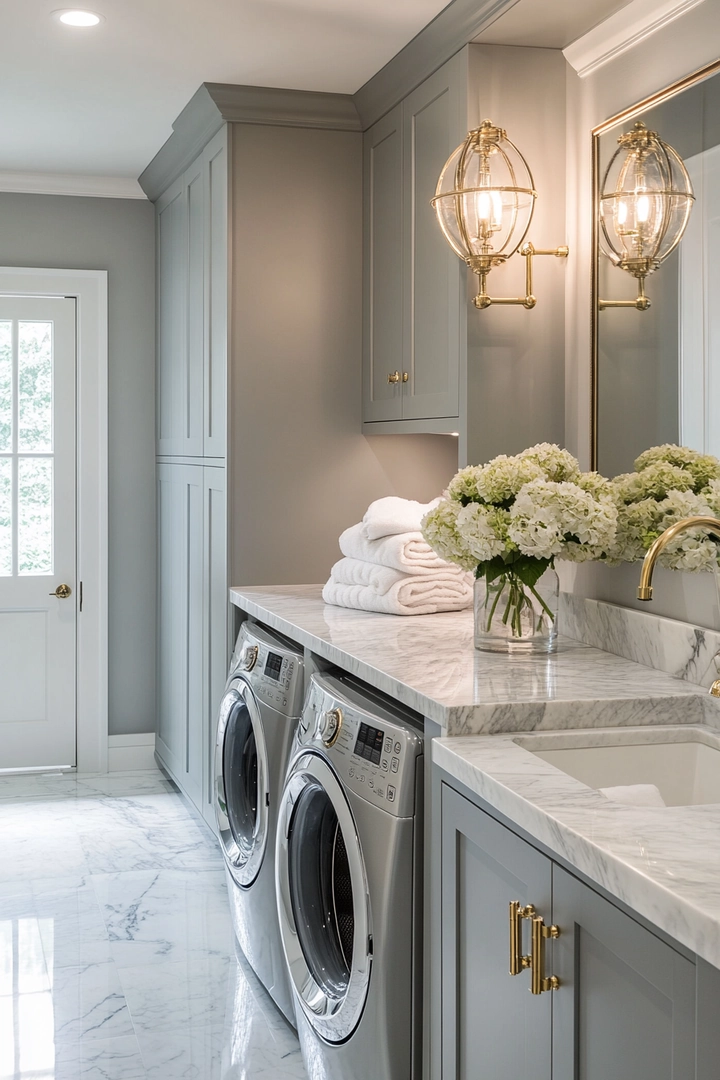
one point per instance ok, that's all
(37, 532)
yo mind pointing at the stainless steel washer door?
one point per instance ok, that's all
(241, 783)
(323, 901)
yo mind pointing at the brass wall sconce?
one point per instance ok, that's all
(645, 205)
(484, 201)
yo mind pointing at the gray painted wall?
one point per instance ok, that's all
(306, 471)
(670, 54)
(117, 235)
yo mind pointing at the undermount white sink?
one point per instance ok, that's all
(683, 763)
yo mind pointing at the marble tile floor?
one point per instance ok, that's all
(117, 958)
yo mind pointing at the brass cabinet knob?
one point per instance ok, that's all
(62, 592)
(405, 376)
(394, 377)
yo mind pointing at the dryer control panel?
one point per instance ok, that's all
(374, 753)
(273, 670)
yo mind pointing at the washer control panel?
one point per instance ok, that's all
(374, 753)
(273, 670)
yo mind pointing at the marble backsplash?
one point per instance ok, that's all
(678, 648)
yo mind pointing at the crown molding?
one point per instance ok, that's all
(622, 31)
(88, 187)
(451, 30)
(215, 104)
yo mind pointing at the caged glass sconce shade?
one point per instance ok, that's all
(484, 202)
(645, 205)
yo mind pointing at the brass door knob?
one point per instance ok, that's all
(394, 377)
(62, 592)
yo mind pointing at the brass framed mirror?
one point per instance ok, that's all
(656, 334)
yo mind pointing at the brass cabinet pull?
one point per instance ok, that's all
(539, 983)
(405, 376)
(518, 962)
(62, 592)
(394, 377)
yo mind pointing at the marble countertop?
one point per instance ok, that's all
(429, 663)
(663, 863)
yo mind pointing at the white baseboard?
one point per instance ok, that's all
(128, 753)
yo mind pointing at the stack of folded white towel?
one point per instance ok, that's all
(388, 567)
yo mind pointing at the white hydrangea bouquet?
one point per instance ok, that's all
(508, 521)
(669, 483)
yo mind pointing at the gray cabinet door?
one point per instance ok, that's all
(180, 742)
(171, 213)
(383, 268)
(625, 1008)
(215, 620)
(434, 123)
(492, 1027)
(215, 171)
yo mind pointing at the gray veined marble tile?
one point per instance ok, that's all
(99, 1059)
(179, 846)
(165, 915)
(148, 781)
(89, 1003)
(184, 995)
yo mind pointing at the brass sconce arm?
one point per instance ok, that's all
(640, 303)
(711, 524)
(482, 300)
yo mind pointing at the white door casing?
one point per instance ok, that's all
(87, 290)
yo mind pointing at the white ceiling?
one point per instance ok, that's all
(101, 101)
(549, 24)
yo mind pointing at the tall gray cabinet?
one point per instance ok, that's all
(630, 1004)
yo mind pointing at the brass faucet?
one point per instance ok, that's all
(710, 523)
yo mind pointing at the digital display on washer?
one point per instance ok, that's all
(273, 665)
(369, 743)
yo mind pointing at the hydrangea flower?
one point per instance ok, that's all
(557, 464)
(702, 467)
(484, 531)
(550, 518)
(440, 530)
(500, 480)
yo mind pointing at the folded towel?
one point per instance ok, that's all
(407, 551)
(634, 794)
(381, 579)
(389, 516)
(411, 595)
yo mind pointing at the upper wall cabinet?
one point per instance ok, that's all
(414, 302)
(192, 305)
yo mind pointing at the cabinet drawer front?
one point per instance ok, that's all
(492, 1027)
(625, 1009)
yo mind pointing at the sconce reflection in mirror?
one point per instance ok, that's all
(484, 202)
(645, 205)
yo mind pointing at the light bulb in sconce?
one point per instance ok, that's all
(645, 204)
(484, 203)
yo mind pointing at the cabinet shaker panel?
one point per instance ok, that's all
(180, 620)
(215, 168)
(194, 311)
(625, 1008)
(492, 1027)
(434, 123)
(215, 619)
(383, 269)
(171, 300)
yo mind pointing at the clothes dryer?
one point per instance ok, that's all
(349, 883)
(257, 720)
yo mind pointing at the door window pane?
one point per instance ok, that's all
(35, 349)
(5, 517)
(35, 490)
(5, 387)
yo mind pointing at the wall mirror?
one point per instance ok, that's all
(656, 372)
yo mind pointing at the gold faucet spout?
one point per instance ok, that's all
(711, 524)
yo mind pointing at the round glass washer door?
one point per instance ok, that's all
(241, 783)
(323, 901)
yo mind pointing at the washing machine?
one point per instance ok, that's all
(258, 716)
(348, 865)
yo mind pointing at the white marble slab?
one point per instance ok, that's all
(663, 863)
(678, 648)
(429, 663)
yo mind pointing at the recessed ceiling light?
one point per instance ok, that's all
(77, 17)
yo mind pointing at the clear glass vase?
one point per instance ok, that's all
(511, 617)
